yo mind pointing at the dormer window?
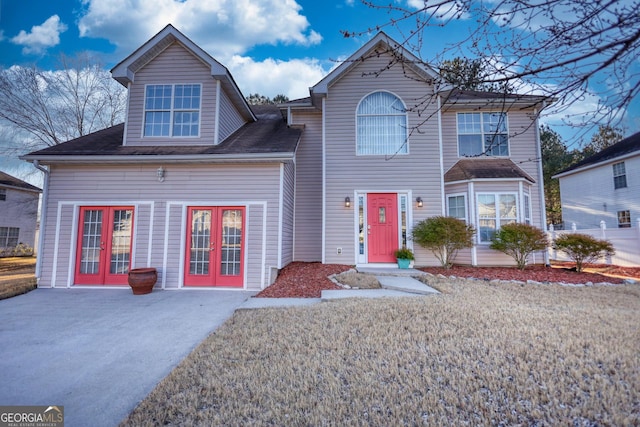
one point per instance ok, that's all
(172, 110)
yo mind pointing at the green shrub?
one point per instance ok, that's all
(583, 248)
(403, 253)
(444, 236)
(519, 241)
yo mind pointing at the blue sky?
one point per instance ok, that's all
(270, 46)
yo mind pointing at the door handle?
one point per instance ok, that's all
(213, 247)
(102, 246)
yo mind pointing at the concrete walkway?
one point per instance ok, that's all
(394, 282)
(98, 353)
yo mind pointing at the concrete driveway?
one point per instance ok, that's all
(100, 352)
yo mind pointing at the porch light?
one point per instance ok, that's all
(419, 202)
(160, 173)
(347, 202)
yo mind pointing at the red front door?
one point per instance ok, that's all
(215, 237)
(382, 226)
(104, 245)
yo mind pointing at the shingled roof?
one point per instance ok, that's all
(485, 168)
(619, 149)
(7, 180)
(269, 135)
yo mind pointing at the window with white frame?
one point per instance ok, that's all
(381, 125)
(457, 206)
(494, 211)
(619, 176)
(624, 219)
(3, 194)
(172, 110)
(482, 134)
(527, 209)
(9, 237)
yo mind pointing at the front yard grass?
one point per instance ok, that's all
(478, 354)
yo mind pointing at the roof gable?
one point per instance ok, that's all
(125, 71)
(379, 41)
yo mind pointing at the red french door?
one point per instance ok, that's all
(215, 246)
(104, 245)
(382, 226)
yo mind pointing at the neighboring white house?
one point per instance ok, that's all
(18, 212)
(603, 187)
(216, 193)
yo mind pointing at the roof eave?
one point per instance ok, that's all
(597, 164)
(159, 158)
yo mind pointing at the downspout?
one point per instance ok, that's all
(43, 218)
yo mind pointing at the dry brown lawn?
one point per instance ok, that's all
(17, 276)
(479, 354)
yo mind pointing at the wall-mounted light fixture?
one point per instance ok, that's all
(419, 202)
(160, 173)
(347, 202)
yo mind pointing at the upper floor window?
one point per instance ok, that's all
(619, 175)
(3, 194)
(482, 134)
(382, 125)
(172, 110)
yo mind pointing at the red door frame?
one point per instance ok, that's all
(214, 276)
(103, 276)
(382, 227)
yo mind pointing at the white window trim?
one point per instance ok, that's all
(406, 115)
(624, 167)
(466, 205)
(497, 218)
(172, 111)
(506, 121)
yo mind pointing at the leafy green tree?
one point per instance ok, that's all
(555, 158)
(444, 236)
(257, 99)
(519, 241)
(605, 137)
(583, 248)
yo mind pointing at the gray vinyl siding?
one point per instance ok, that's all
(20, 210)
(161, 213)
(308, 209)
(173, 66)
(418, 172)
(230, 120)
(288, 190)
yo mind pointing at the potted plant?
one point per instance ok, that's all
(404, 256)
(142, 280)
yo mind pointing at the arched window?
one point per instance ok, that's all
(382, 125)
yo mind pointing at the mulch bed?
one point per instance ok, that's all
(538, 273)
(303, 280)
(309, 279)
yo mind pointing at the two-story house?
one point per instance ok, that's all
(18, 212)
(603, 187)
(216, 193)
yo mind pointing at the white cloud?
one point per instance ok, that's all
(271, 77)
(41, 37)
(223, 28)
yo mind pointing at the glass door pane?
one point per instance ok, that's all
(231, 242)
(121, 241)
(91, 241)
(200, 242)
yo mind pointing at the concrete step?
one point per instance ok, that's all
(405, 284)
(388, 271)
(333, 295)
